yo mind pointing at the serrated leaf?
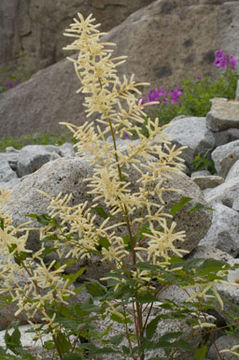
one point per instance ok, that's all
(95, 289)
(63, 344)
(178, 206)
(152, 326)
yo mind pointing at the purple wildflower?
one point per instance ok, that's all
(9, 85)
(174, 95)
(199, 77)
(125, 135)
(223, 61)
(232, 61)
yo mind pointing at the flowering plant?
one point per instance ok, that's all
(126, 226)
(224, 61)
(194, 96)
(163, 95)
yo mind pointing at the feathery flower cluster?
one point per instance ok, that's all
(148, 162)
(24, 276)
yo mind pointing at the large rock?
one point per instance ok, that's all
(224, 114)
(205, 180)
(190, 131)
(149, 37)
(34, 28)
(225, 156)
(224, 231)
(226, 194)
(63, 175)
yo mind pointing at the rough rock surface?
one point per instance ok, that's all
(205, 180)
(225, 156)
(192, 132)
(35, 28)
(224, 231)
(149, 38)
(63, 175)
(223, 342)
(224, 114)
(226, 194)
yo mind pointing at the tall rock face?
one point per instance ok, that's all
(165, 42)
(170, 40)
(31, 30)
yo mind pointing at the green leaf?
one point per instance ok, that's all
(126, 350)
(120, 318)
(104, 242)
(182, 345)
(63, 344)
(44, 219)
(72, 277)
(200, 353)
(13, 341)
(71, 356)
(152, 326)
(117, 339)
(170, 335)
(146, 297)
(101, 212)
(49, 345)
(95, 289)
(198, 207)
(2, 223)
(177, 207)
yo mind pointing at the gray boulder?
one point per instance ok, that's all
(64, 175)
(11, 157)
(233, 172)
(223, 342)
(191, 132)
(223, 234)
(224, 114)
(207, 252)
(225, 156)
(225, 136)
(32, 157)
(205, 180)
(6, 172)
(226, 194)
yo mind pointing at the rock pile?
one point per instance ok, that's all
(210, 233)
